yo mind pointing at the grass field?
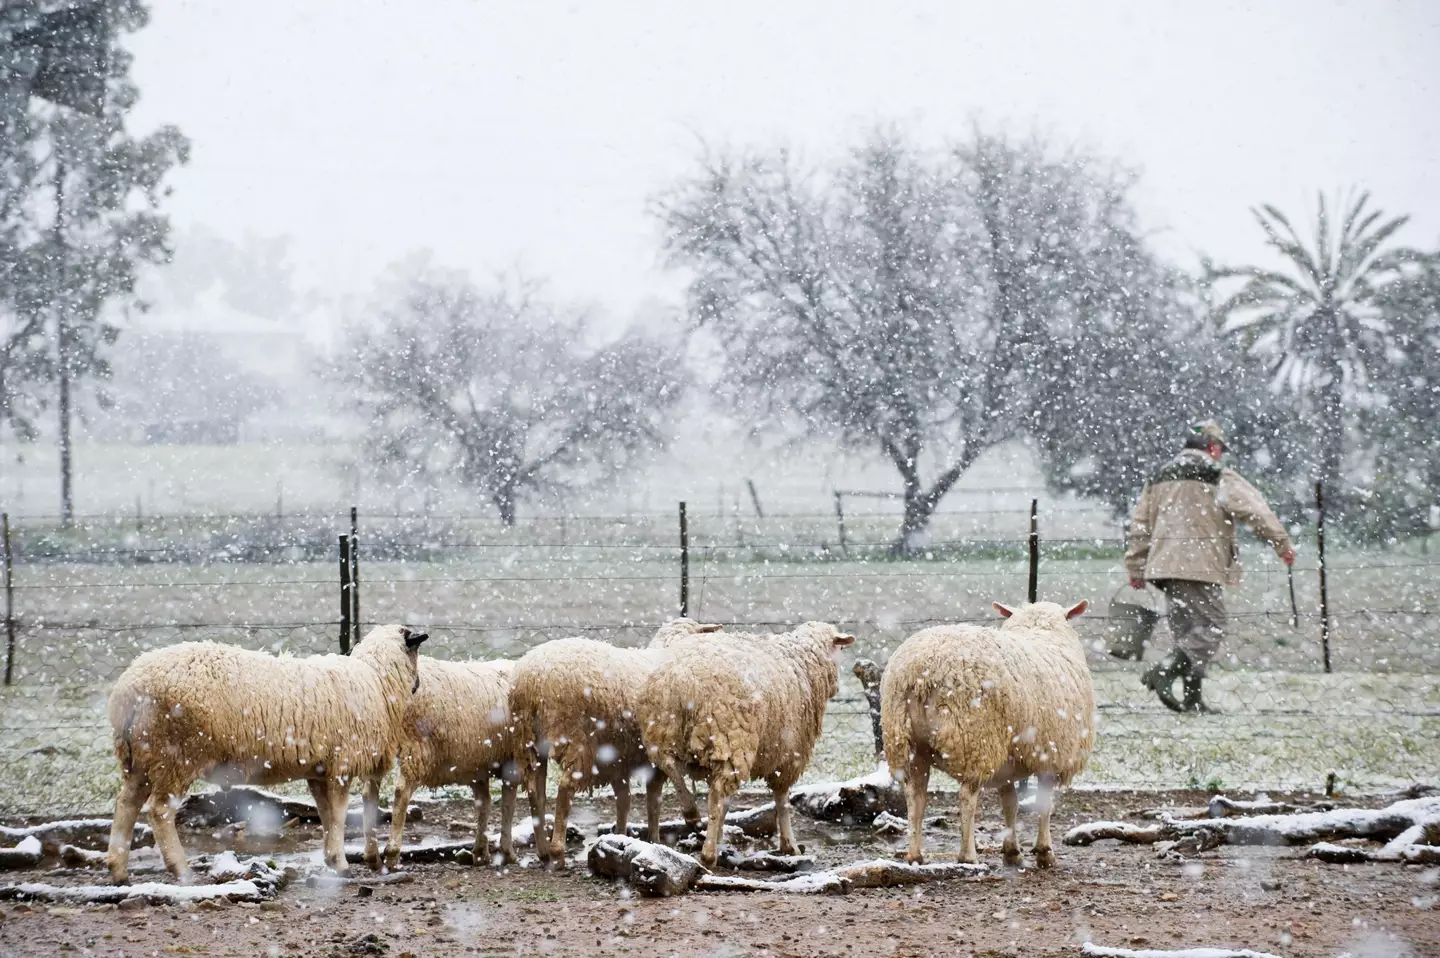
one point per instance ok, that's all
(1374, 721)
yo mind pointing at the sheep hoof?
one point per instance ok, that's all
(1044, 858)
(915, 858)
(1012, 857)
(391, 857)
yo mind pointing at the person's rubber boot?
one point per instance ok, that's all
(1161, 678)
(1193, 702)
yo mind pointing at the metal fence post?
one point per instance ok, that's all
(344, 595)
(1320, 559)
(840, 521)
(9, 599)
(1033, 587)
(684, 563)
(354, 576)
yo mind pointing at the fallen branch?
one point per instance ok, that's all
(885, 873)
(894, 825)
(1093, 832)
(1102, 952)
(766, 862)
(245, 803)
(77, 857)
(655, 871)
(816, 883)
(154, 892)
(330, 881)
(1412, 817)
(1222, 807)
(1351, 855)
(25, 855)
(74, 830)
(854, 802)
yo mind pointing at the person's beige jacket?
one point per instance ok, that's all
(1184, 525)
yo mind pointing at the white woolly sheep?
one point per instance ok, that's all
(573, 701)
(734, 707)
(204, 710)
(990, 707)
(458, 731)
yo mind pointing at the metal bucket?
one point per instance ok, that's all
(1130, 627)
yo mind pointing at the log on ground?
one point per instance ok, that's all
(655, 871)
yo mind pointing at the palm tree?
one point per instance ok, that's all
(1319, 320)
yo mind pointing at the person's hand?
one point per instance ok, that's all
(1288, 557)
(1138, 583)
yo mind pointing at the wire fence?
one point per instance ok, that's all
(86, 599)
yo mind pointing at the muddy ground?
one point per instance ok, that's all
(1266, 899)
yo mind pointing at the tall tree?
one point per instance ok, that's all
(84, 218)
(1318, 320)
(497, 390)
(897, 300)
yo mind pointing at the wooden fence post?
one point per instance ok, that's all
(755, 499)
(354, 576)
(1032, 592)
(684, 563)
(9, 599)
(1320, 559)
(344, 595)
(840, 521)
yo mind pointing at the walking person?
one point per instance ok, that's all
(1182, 540)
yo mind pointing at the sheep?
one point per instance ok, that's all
(229, 715)
(736, 707)
(573, 701)
(458, 731)
(990, 707)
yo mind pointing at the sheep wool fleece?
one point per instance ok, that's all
(734, 707)
(205, 710)
(990, 707)
(458, 731)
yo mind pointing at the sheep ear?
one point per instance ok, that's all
(843, 639)
(1005, 611)
(1077, 609)
(413, 638)
(709, 627)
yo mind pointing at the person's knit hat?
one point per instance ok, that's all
(1211, 430)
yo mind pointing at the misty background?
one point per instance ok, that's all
(335, 149)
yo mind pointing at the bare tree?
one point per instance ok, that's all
(498, 390)
(897, 301)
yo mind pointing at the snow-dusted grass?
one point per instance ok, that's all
(1375, 721)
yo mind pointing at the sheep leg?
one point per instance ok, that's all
(403, 791)
(1044, 794)
(622, 805)
(370, 819)
(339, 796)
(716, 826)
(133, 793)
(563, 794)
(507, 820)
(782, 821)
(969, 804)
(917, 785)
(167, 838)
(480, 792)
(1010, 805)
(535, 787)
(654, 789)
(688, 809)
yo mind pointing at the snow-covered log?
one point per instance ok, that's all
(332, 881)
(1351, 855)
(814, 883)
(1102, 952)
(1222, 807)
(886, 873)
(246, 803)
(655, 871)
(766, 862)
(853, 802)
(154, 892)
(75, 830)
(523, 836)
(27, 854)
(1092, 832)
(76, 857)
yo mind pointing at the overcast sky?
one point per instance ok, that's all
(533, 133)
